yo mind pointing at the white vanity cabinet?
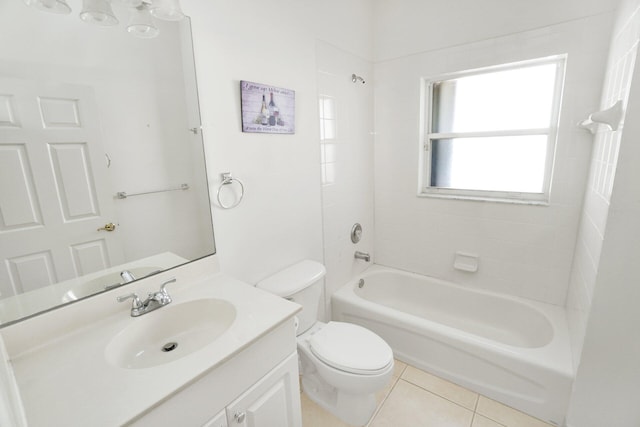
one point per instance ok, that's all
(219, 420)
(273, 401)
(258, 387)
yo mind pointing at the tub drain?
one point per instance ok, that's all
(361, 283)
(170, 346)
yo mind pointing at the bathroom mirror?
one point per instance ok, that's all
(102, 170)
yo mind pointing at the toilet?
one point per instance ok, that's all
(342, 365)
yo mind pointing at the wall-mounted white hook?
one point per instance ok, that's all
(611, 117)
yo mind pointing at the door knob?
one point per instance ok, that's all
(108, 227)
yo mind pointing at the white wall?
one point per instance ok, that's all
(523, 250)
(411, 26)
(279, 222)
(347, 160)
(605, 292)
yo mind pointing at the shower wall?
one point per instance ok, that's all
(604, 291)
(346, 149)
(597, 200)
(523, 250)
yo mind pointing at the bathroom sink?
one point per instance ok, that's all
(170, 333)
(105, 281)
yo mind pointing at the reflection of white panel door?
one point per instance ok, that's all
(54, 193)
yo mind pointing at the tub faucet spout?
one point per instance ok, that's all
(363, 256)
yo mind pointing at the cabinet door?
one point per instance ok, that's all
(273, 401)
(219, 420)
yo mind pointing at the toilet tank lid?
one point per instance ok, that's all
(293, 279)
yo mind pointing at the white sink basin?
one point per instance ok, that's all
(170, 333)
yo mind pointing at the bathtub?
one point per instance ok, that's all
(512, 350)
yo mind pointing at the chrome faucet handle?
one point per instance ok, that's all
(136, 300)
(162, 296)
(164, 285)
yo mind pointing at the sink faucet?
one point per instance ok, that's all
(363, 256)
(154, 301)
(127, 276)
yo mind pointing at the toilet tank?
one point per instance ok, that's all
(302, 284)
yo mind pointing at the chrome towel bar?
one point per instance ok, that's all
(124, 195)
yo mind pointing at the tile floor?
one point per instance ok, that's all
(418, 399)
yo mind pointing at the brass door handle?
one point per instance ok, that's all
(108, 227)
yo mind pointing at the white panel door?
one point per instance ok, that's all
(54, 192)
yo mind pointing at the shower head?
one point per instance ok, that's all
(356, 79)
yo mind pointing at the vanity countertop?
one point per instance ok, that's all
(67, 381)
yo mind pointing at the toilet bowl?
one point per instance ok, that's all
(342, 365)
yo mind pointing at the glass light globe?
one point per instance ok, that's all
(141, 24)
(52, 6)
(98, 12)
(167, 10)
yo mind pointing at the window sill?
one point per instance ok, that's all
(513, 201)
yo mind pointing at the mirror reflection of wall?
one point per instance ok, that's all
(87, 112)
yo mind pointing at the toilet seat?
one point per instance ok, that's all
(351, 348)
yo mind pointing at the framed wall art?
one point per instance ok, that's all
(267, 109)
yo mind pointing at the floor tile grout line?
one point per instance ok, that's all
(439, 395)
(487, 417)
(475, 415)
(478, 396)
(473, 418)
(381, 404)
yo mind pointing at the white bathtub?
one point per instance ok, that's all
(512, 350)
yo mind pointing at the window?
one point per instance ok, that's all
(490, 133)
(328, 138)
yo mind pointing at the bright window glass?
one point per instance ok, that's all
(327, 109)
(464, 163)
(520, 98)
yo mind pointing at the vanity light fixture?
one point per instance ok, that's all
(52, 6)
(100, 12)
(167, 10)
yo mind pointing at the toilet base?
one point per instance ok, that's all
(354, 409)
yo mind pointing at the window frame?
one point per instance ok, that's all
(427, 136)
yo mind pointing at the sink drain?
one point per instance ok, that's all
(170, 346)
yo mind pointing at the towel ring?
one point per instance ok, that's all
(227, 179)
